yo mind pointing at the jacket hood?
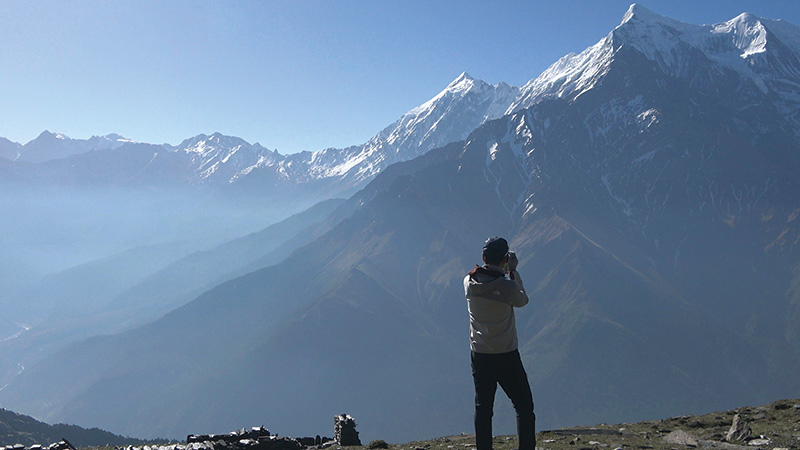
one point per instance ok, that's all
(486, 282)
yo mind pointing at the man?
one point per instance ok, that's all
(491, 299)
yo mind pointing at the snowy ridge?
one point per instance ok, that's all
(451, 115)
(622, 153)
(667, 41)
(764, 51)
(225, 157)
(568, 77)
(728, 43)
(761, 51)
(49, 146)
(741, 44)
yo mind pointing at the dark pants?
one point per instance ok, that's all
(489, 370)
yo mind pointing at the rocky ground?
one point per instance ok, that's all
(773, 427)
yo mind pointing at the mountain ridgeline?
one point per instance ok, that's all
(17, 429)
(648, 184)
(239, 168)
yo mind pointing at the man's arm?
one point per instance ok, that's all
(519, 297)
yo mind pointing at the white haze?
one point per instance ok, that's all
(46, 231)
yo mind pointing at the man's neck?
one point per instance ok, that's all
(494, 268)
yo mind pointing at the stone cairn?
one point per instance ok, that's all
(344, 430)
(257, 438)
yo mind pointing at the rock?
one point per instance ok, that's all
(278, 443)
(344, 430)
(739, 430)
(758, 442)
(759, 416)
(680, 437)
(254, 434)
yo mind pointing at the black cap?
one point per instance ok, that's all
(494, 249)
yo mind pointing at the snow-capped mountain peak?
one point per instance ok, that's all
(744, 51)
(47, 134)
(461, 83)
(659, 38)
(574, 73)
(109, 141)
(203, 144)
(49, 146)
(458, 88)
(764, 51)
(747, 32)
(450, 116)
(733, 44)
(433, 123)
(637, 12)
(224, 157)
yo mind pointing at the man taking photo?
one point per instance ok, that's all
(491, 299)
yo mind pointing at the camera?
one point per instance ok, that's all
(511, 261)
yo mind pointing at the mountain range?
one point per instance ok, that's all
(17, 429)
(231, 162)
(648, 184)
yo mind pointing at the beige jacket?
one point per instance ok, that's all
(491, 299)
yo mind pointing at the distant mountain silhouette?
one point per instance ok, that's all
(19, 429)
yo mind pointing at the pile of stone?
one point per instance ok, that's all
(256, 438)
(318, 441)
(255, 434)
(61, 445)
(344, 430)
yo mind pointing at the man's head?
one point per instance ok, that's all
(494, 251)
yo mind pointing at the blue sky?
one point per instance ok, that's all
(291, 74)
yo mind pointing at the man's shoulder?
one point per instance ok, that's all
(486, 273)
